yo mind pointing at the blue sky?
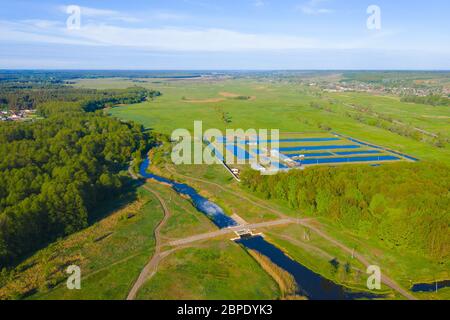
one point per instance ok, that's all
(216, 34)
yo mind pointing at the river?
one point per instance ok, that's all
(430, 287)
(310, 284)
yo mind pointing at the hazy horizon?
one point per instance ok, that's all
(228, 70)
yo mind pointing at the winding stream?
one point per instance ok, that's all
(430, 287)
(310, 284)
(210, 209)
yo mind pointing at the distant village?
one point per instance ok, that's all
(11, 115)
(380, 89)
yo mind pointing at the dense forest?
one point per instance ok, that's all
(54, 172)
(67, 76)
(403, 206)
(29, 95)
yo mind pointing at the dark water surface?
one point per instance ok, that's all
(430, 287)
(310, 284)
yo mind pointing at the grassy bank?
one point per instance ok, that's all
(285, 280)
(217, 269)
(323, 258)
(110, 253)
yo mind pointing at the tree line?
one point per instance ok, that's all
(432, 100)
(405, 130)
(402, 206)
(56, 171)
(22, 96)
(366, 115)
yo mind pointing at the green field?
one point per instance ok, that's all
(216, 270)
(290, 108)
(281, 106)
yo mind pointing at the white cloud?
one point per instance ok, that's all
(171, 39)
(313, 7)
(28, 31)
(259, 3)
(31, 63)
(104, 14)
(177, 39)
(156, 39)
(42, 23)
(164, 15)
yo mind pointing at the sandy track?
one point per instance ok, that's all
(150, 269)
(221, 232)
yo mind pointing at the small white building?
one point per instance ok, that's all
(235, 170)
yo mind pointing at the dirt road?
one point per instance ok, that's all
(150, 269)
(385, 279)
(221, 232)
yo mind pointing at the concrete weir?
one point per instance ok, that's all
(245, 234)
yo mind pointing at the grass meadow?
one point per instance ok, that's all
(283, 106)
(288, 107)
